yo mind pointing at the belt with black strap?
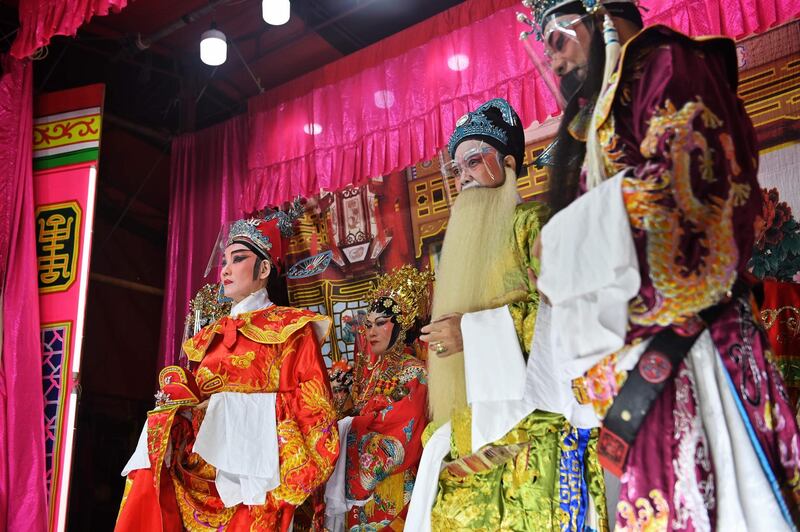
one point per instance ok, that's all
(656, 367)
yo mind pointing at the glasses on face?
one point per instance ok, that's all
(471, 160)
(558, 31)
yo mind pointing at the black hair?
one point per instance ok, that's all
(257, 265)
(276, 282)
(277, 287)
(569, 152)
(627, 11)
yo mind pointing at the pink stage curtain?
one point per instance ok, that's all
(387, 107)
(733, 18)
(208, 170)
(40, 20)
(23, 496)
(379, 116)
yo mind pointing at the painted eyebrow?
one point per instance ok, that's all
(551, 39)
(240, 251)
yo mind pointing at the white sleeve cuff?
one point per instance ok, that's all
(545, 389)
(426, 485)
(335, 500)
(239, 437)
(140, 459)
(589, 273)
(494, 366)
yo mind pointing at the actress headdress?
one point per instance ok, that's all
(405, 292)
(264, 234)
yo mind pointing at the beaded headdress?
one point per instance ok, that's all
(263, 234)
(497, 123)
(405, 292)
(540, 9)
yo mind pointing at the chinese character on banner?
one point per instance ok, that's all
(57, 245)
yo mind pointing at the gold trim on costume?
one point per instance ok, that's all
(195, 347)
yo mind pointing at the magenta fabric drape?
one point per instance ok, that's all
(40, 20)
(208, 170)
(376, 117)
(373, 115)
(23, 495)
(732, 18)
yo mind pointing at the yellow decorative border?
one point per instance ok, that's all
(257, 334)
(63, 132)
(77, 246)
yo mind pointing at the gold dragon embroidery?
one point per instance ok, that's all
(664, 205)
(651, 514)
(243, 361)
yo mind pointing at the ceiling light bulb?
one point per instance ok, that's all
(213, 47)
(275, 12)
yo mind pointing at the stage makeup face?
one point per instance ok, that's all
(567, 40)
(239, 275)
(378, 332)
(477, 164)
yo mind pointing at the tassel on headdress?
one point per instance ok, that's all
(594, 152)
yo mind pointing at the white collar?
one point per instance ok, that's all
(256, 301)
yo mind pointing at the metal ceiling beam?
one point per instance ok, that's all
(130, 60)
(162, 138)
(291, 39)
(224, 106)
(322, 13)
(143, 43)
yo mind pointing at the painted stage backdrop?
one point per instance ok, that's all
(66, 146)
(349, 237)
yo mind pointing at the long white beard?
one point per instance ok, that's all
(476, 255)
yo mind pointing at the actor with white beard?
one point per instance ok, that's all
(508, 457)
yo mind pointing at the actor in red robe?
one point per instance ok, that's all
(250, 433)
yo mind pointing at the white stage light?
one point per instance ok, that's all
(275, 12)
(213, 47)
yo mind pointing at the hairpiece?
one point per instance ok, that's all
(286, 219)
(405, 292)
